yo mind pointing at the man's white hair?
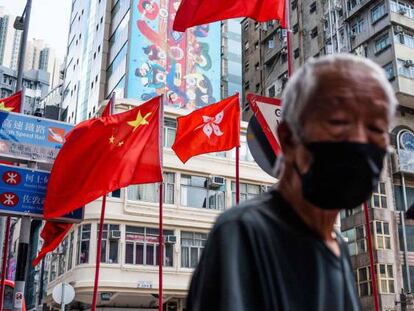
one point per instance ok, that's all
(301, 86)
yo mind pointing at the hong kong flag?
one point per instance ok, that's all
(213, 128)
(11, 103)
(198, 12)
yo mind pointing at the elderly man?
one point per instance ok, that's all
(280, 251)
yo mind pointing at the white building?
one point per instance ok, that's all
(194, 195)
(9, 40)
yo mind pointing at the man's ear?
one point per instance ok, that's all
(287, 140)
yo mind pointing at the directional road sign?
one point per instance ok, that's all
(23, 192)
(31, 138)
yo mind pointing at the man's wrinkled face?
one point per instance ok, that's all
(347, 106)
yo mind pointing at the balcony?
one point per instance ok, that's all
(358, 5)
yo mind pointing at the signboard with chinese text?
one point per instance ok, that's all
(31, 138)
(23, 191)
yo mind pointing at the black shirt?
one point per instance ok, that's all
(262, 256)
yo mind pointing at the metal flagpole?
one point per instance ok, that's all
(237, 175)
(5, 257)
(101, 225)
(371, 259)
(161, 198)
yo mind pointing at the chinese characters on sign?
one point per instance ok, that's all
(30, 138)
(23, 191)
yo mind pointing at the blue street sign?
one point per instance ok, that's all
(23, 192)
(31, 138)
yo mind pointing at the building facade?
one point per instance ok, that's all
(381, 30)
(9, 41)
(119, 46)
(35, 82)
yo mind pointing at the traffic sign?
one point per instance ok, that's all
(31, 138)
(63, 293)
(268, 112)
(260, 147)
(23, 191)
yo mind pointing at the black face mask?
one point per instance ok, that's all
(342, 174)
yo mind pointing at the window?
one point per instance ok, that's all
(378, 12)
(150, 192)
(110, 243)
(312, 8)
(385, 279)
(199, 192)
(314, 32)
(84, 235)
(379, 197)
(70, 255)
(245, 154)
(295, 28)
(389, 71)
(271, 91)
(382, 43)
(358, 27)
(283, 58)
(257, 66)
(170, 129)
(405, 68)
(409, 233)
(192, 244)
(247, 192)
(404, 274)
(142, 246)
(117, 60)
(356, 240)
(256, 45)
(246, 46)
(405, 39)
(363, 279)
(402, 8)
(296, 53)
(61, 254)
(246, 66)
(382, 233)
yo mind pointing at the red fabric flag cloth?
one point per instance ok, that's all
(110, 106)
(198, 12)
(213, 128)
(52, 234)
(104, 154)
(11, 103)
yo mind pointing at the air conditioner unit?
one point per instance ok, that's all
(216, 182)
(408, 63)
(399, 29)
(402, 11)
(170, 239)
(114, 234)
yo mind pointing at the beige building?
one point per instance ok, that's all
(194, 195)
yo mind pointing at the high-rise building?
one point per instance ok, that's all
(128, 47)
(382, 31)
(9, 41)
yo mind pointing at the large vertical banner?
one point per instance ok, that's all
(185, 66)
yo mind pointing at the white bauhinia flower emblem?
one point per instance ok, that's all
(211, 124)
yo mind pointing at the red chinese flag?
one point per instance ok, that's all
(104, 154)
(11, 103)
(109, 108)
(198, 12)
(213, 128)
(52, 234)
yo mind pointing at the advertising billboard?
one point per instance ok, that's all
(184, 66)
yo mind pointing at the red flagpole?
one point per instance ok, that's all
(4, 263)
(98, 254)
(288, 37)
(237, 175)
(160, 259)
(371, 259)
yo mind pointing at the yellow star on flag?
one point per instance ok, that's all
(111, 139)
(4, 108)
(139, 120)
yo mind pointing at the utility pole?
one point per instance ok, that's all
(22, 23)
